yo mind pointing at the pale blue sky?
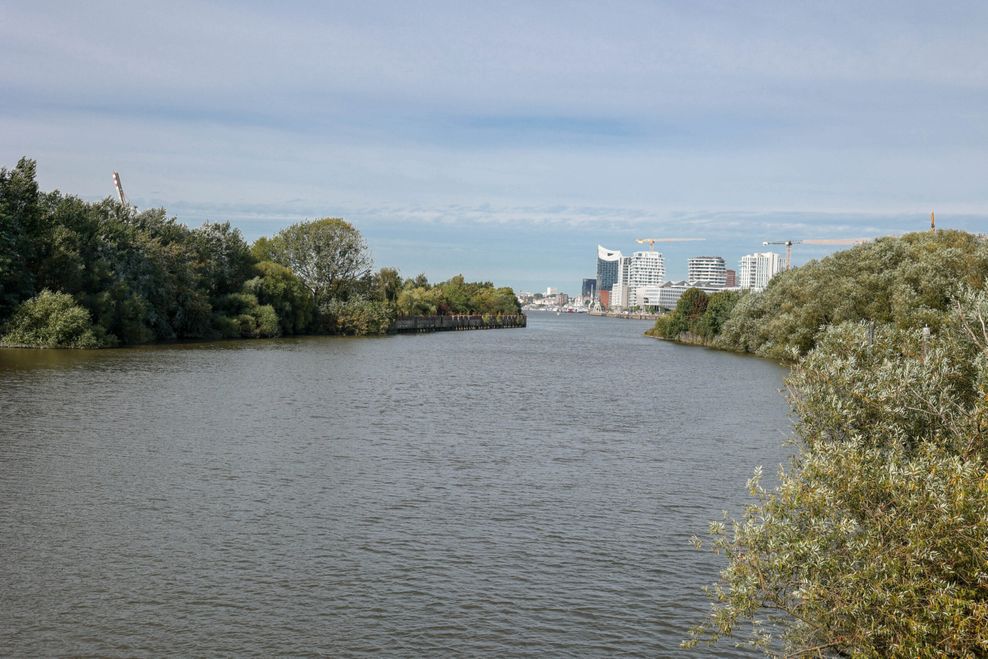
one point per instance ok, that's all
(504, 140)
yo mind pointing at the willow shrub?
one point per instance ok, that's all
(875, 541)
(51, 320)
(355, 317)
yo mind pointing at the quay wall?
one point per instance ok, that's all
(412, 324)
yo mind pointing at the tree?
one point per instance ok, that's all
(388, 283)
(275, 285)
(327, 255)
(223, 260)
(20, 235)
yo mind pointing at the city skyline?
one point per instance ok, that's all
(501, 142)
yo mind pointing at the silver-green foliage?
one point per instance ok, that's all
(875, 541)
(50, 320)
(904, 281)
(327, 255)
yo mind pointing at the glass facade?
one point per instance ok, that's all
(607, 268)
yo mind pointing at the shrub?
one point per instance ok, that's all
(356, 316)
(51, 320)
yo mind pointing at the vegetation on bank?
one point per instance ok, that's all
(875, 541)
(907, 281)
(82, 275)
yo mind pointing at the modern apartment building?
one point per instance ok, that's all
(710, 269)
(646, 269)
(757, 269)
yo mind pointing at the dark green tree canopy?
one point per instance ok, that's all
(82, 274)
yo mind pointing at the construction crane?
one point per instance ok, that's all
(813, 241)
(651, 241)
(119, 186)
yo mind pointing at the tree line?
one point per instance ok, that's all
(874, 540)
(95, 274)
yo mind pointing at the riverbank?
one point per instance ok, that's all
(414, 324)
(626, 315)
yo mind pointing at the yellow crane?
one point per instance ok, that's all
(651, 241)
(813, 241)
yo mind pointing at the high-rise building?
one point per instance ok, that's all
(757, 269)
(730, 278)
(645, 269)
(707, 268)
(589, 290)
(624, 269)
(607, 268)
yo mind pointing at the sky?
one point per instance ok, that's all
(506, 140)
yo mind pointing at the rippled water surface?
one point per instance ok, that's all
(508, 492)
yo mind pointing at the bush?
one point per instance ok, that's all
(906, 282)
(51, 320)
(355, 317)
(240, 316)
(875, 542)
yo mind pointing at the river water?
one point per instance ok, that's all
(509, 492)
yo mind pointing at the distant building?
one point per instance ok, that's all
(730, 278)
(757, 269)
(668, 294)
(619, 297)
(589, 290)
(605, 298)
(624, 270)
(607, 268)
(645, 269)
(707, 268)
(550, 291)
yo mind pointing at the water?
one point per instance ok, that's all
(508, 492)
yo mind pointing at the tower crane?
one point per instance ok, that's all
(651, 241)
(813, 241)
(119, 186)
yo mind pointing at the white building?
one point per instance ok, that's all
(646, 268)
(635, 271)
(620, 297)
(757, 269)
(668, 294)
(707, 268)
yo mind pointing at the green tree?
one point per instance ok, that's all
(388, 283)
(327, 255)
(20, 234)
(222, 259)
(275, 285)
(718, 311)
